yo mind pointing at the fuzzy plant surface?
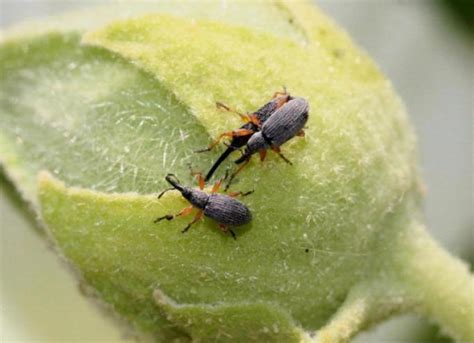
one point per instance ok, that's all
(95, 112)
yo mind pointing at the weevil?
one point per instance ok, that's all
(223, 208)
(252, 124)
(285, 123)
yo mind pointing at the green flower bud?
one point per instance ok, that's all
(102, 117)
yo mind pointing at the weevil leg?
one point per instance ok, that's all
(231, 134)
(200, 178)
(279, 93)
(226, 175)
(301, 133)
(226, 229)
(201, 181)
(242, 132)
(184, 212)
(220, 105)
(282, 101)
(263, 154)
(216, 141)
(254, 120)
(242, 194)
(235, 174)
(216, 186)
(278, 151)
(198, 217)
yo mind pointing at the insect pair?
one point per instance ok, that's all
(268, 128)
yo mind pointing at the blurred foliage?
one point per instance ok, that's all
(463, 11)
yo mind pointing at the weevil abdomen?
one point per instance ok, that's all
(227, 210)
(264, 112)
(286, 122)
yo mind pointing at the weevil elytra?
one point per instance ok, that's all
(285, 123)
(224, 209)
(252, 124)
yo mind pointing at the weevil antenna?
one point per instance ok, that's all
(166, 190)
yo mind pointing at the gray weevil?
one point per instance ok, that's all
(223, 208)
(252, 124)
(285, 123)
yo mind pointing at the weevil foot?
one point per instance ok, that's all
(248, 193)
(167, 217)
(198, 151)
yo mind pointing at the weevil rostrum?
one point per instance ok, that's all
(252, 124)
(223, 208)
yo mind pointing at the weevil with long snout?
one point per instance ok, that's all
(223, 208)
(285, 123)
(252, 124)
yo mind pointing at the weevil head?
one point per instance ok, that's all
(255, 143)
(196, 197)
(173, 181)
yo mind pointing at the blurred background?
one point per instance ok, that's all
(425, 47)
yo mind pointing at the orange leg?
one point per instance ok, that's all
(283, 100)
(184, 212)
(235, 174)
(226, 229)
(278, 151)
(277, 94)
(236, 194)
(228, 109)
(254, 120)
(201, 181)
(216, 186)
(301, 133)
(231, 134)
(263, 154)
(242, 132)
(198, 217)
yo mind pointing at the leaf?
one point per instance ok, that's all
(261, 322)
(115, 118)
(50, 78)
(126, 258)
(89, 117)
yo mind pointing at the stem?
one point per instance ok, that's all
(367, 304)
(440, 283)
(416, 274)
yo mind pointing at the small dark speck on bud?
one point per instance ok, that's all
(338, 53)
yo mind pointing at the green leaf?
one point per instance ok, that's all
(329, 246)
(89, 117)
